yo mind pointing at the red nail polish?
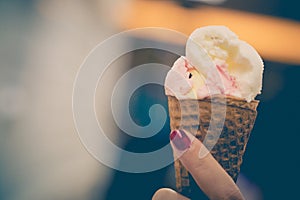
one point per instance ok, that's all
(180, 140)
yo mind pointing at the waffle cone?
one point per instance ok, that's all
(227, 123)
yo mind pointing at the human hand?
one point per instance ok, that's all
(207, 172)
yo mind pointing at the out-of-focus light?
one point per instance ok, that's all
(274, 38)
(12, 102)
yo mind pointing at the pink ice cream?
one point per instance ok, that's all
(180, 82)
(216, 62)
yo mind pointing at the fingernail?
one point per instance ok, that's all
(180, 140)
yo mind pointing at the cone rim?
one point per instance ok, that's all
(219, 99)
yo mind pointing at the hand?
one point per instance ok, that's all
(207, 172)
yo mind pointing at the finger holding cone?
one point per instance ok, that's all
(206, 171)
(209, 175)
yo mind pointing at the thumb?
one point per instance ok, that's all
(207, 172)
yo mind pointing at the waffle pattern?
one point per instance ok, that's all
(227, 125)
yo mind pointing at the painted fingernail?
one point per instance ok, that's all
(180, 140)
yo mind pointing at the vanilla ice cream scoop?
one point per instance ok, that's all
(220, 62)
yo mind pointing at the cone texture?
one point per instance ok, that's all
(227, 123)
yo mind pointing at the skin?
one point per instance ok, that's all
(209, 175)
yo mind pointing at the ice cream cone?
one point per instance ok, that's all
(232, 117)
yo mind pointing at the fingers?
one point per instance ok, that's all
(207, 172)
(167, 194)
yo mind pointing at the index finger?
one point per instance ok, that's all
(207, 172)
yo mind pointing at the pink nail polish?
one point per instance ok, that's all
(180, 140)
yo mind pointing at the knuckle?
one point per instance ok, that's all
(161, 194)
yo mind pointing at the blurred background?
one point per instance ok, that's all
(44, 42)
